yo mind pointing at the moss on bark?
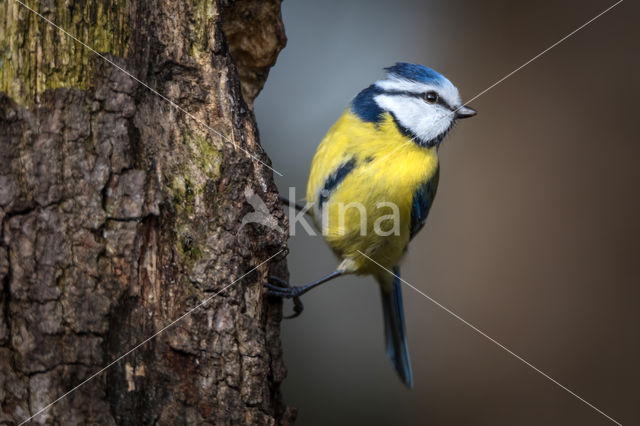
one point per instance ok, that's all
(35, 56)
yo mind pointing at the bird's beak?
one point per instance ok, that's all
(465, 112)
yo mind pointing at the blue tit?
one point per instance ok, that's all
(373, 180)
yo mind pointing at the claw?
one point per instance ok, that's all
(273, 288)
(284, 290)
(298, 307)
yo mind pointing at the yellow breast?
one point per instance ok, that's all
(369, 210)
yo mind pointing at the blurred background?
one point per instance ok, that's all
(534, 236)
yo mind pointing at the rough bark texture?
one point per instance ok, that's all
(120, 213)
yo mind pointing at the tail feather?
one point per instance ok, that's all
(394, 329)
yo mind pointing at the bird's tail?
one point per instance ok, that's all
(394, 329)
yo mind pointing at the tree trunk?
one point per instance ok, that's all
(121, 212)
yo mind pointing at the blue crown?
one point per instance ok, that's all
(416, 73)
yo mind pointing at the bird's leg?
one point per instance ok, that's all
(287, 291)
(295, 205)
(283, 289)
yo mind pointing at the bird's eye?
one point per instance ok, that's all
(431, 97)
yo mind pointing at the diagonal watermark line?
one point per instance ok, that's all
(166, 327)
(505, 77)
(152, 90)
(544, 51)
(494, 341)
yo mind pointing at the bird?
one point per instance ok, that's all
(372, 182)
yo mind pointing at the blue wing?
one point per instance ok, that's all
(422, 200)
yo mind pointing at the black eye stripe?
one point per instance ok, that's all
(440, 101)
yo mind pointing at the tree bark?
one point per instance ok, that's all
(120, 213)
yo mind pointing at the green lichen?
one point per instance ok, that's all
(188, 244)
(202, 28)
(188, 186)
(204, 153)
(184, 196)
(36, 56)
(202, 164)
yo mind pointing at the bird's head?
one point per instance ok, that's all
(423, 103)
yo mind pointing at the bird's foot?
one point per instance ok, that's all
(284, 290)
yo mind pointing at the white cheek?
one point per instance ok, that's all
(426, 121)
